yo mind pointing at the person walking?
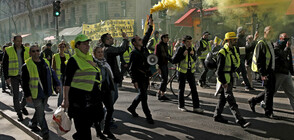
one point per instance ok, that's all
(151, 48)
(140, 73)
(227, 62)
(58, 65)
(82, 95)
(204, 47)
(185, 57)
(38, 82)
(263, 61)
(47, 53)
(125, 62)
(14, 58)
(283, 70)
(161, 51)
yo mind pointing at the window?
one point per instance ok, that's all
(103, 11)
(72, 20)
(84, 18)
(45, 25)
(123, 8)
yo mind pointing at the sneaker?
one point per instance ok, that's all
(243, 123)
(252, 104)
(133, 112)
(25, 111)
(20, 118)
(198, 110)
(220, 119)
(200, 83)
(34, 127)
(163, 98)
(183, 109)
(109, 134)
(150, 120)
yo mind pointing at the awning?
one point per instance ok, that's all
(290, 10)
(49, 38)
(186, 20)
(71, 31)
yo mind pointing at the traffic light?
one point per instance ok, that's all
(56, 8)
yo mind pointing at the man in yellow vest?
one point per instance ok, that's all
(14, 58)
(227, 62)
(58, 65)
(38, 80)
(151, 47)
(204, 47)
(82, 94)
(185, 57)
(124, 62)
(263, 62)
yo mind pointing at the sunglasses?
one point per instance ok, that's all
(33, 51)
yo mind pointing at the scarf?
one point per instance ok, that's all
(104, 64)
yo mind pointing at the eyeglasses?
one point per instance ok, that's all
(33, 51)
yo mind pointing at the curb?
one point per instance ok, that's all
(20, 126)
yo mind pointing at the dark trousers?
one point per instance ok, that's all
(268, 94)
(142, 97)
(39, 115)
(243, 71)
(164, 77)
(204, 73)
(226, 95)
(15, 82)
(108, 103)
(123, 71)
(182, 83)
(85, 119)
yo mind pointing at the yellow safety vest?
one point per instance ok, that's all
(183, 65)
(58, 63)
(229, 58)
(13, 67)
(170, 50)
(85, 77)
(34, 76)
(126, 55)
(267, 56)
(204, 53)
(154, 44)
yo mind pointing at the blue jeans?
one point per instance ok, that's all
(114, 93)
(60, 95)
(39, 115)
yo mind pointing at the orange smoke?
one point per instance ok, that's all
(170, 5)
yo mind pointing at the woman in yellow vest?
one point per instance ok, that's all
(82, 95)
(227, 62)
(58, 65)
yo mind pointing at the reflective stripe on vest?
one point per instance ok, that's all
(154, 44)
(13, 67)
(126, 55)
(34, 77)
(204, 53)
(58, 63)
(267, 56)
(183, 65)
(228, 62)
(85, 77)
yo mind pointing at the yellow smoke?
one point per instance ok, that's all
(171, 5)
(267, 12)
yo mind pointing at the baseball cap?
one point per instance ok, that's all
(82, 38)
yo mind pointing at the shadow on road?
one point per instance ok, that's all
(6, 137)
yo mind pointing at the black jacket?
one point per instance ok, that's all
(241, 42)
(161, 51)
(6, 61)
(261, 59)
(179, 54)
(283, 59)
(139, 68)
(249, 52)
(110, 54)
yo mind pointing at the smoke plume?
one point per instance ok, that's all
(172, 6)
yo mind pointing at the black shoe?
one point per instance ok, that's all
(247, 88)
(109, 134)
(243, 123)
(200, 83)
(45, 136)
(25, 111)
(252, 104)
(34, 127)
(205, 86)
(20, 118)
(220, 119)
(100, 135)
(269, 115)
(150, 120)
(163, 98)
(133, 112)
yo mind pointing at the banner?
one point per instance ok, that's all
(113, 27)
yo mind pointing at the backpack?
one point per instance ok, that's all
(211, 60)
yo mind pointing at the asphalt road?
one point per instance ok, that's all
(172, 124)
